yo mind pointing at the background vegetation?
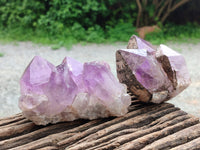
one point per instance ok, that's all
(65, 22)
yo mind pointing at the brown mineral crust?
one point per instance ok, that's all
(164, 61)
(126, 76)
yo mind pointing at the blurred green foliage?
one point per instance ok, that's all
(63, 16)
(65, 22)
(176, 33)
(1, 54)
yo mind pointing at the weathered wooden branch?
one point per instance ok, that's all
(169, 5)
(139, 13)
(146, 126)
(145, 2)
(159, 4)
(172, 8)
(162, 9)
(179, 4)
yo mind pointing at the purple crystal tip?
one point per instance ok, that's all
(70, 91)
(137, 43)
(151, 75)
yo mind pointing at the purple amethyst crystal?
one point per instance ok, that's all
(175, 67)
(151, 75)
(138, 43)
(70, 91)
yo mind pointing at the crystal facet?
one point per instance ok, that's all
(70, 91)
(151, 75)
(138, 43)
(175, 67)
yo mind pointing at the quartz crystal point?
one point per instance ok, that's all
(70, 91)
(151, 75)
(175, 67)
(138, 43)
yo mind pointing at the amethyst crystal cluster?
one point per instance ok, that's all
(70, 91)
(74, 90)
(151, 74)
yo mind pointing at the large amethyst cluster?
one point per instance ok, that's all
(151, 74)
(70, 91)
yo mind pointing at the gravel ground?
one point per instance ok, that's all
(17, 57)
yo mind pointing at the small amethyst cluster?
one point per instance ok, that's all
(151, 74)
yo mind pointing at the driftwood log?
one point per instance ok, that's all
(146, 126)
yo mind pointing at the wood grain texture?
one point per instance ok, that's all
(146, 126)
